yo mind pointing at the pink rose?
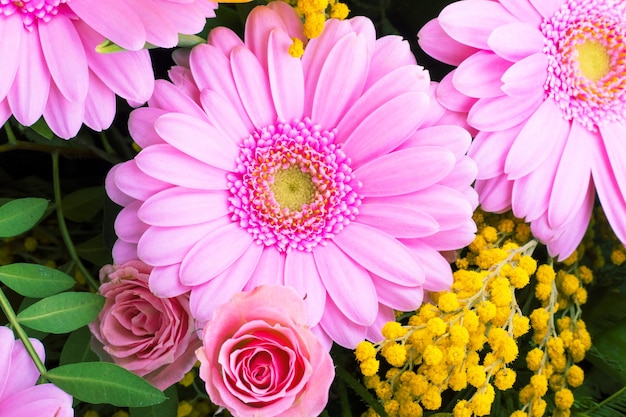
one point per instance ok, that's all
(153, 337)
(259, 359)
(19, 394)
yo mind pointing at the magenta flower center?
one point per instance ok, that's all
(585, 42)
(293, 187)
(31, 10)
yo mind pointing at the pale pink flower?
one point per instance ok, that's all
(153, 337)
(19, 396)
(50, 66)
(545, 84)
(259, 359)
(327, 173)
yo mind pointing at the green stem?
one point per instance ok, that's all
(10, 134)
(606, 401)
(10, 313)
(360, 390)
(63, 226)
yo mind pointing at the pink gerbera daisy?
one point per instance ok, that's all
(50, 66)
(545, 84)
(327, 173)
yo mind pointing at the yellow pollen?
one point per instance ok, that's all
(293, 188)
(594, 60)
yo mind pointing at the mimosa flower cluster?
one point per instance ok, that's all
(467, 338)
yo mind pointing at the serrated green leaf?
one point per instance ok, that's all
(62, 313)
(103, 382)
(168, 408)
(83, 204)
(18, 216)
(36, 281)
(95, 251)
(77, 348)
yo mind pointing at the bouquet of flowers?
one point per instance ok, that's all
(313, 208)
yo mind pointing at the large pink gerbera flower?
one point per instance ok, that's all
(326, 173)
(545, 83)
(50, 66)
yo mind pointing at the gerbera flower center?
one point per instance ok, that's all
(31, 10)
(584, 41)
(293, 187)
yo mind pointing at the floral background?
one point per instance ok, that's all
(472, 236)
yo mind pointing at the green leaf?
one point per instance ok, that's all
(42, 128)
(83, 204)
(18, 216)
(62, 313)
(36, 281)
(169, 408)
(104, 382)
(77, 349)
(95, 251)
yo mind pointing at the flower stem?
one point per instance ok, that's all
(63, 226)
(10, 314)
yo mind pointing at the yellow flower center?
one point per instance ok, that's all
(293, 188)
(594, 60)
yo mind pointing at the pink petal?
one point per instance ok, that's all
(99, 104)
(205, 298)
(38, 400)
(29, 93)
(348, 284)
(223, 116)
(388, 258)
(495, 194)
(141, 126)
(388, 174)
(566, 243)
(269, 271)
(7, 341)
(217, 250)
(523, 10)
(385, 128)
(290, 18)
(453, 138)
(452, 239)
(211, 70)
(164, 281)
(391, 53)
(531, 148)
(408, 78)
(123, 251)
(450, 97)
(253, 87)
(526, 76)
(463, 174)
(613, 135)
(5, 111)
(153, 250)
(344, 331)
(385, 315)
(11, 33)
(128, 227)
(67, 65)
(132, 182)
(259, 24)
(62, 116)
(169, 97)
(182, 78)
(436, 42)
(197, 139)
(571, 179)
(224, 39)
(286, 77)
(114, 20)
(129, 74)
(609, 193)
(398, 297)
(166, 163)
(398, 221)
(341, 80)
(449, 207)
(437, 271)
(489, 151)
(22, 372)
(546, 7)
(472, 22)
(301, 274)
(159, 29)
(479, 75)
(503, 112)
(179, 206)
(516, 41)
